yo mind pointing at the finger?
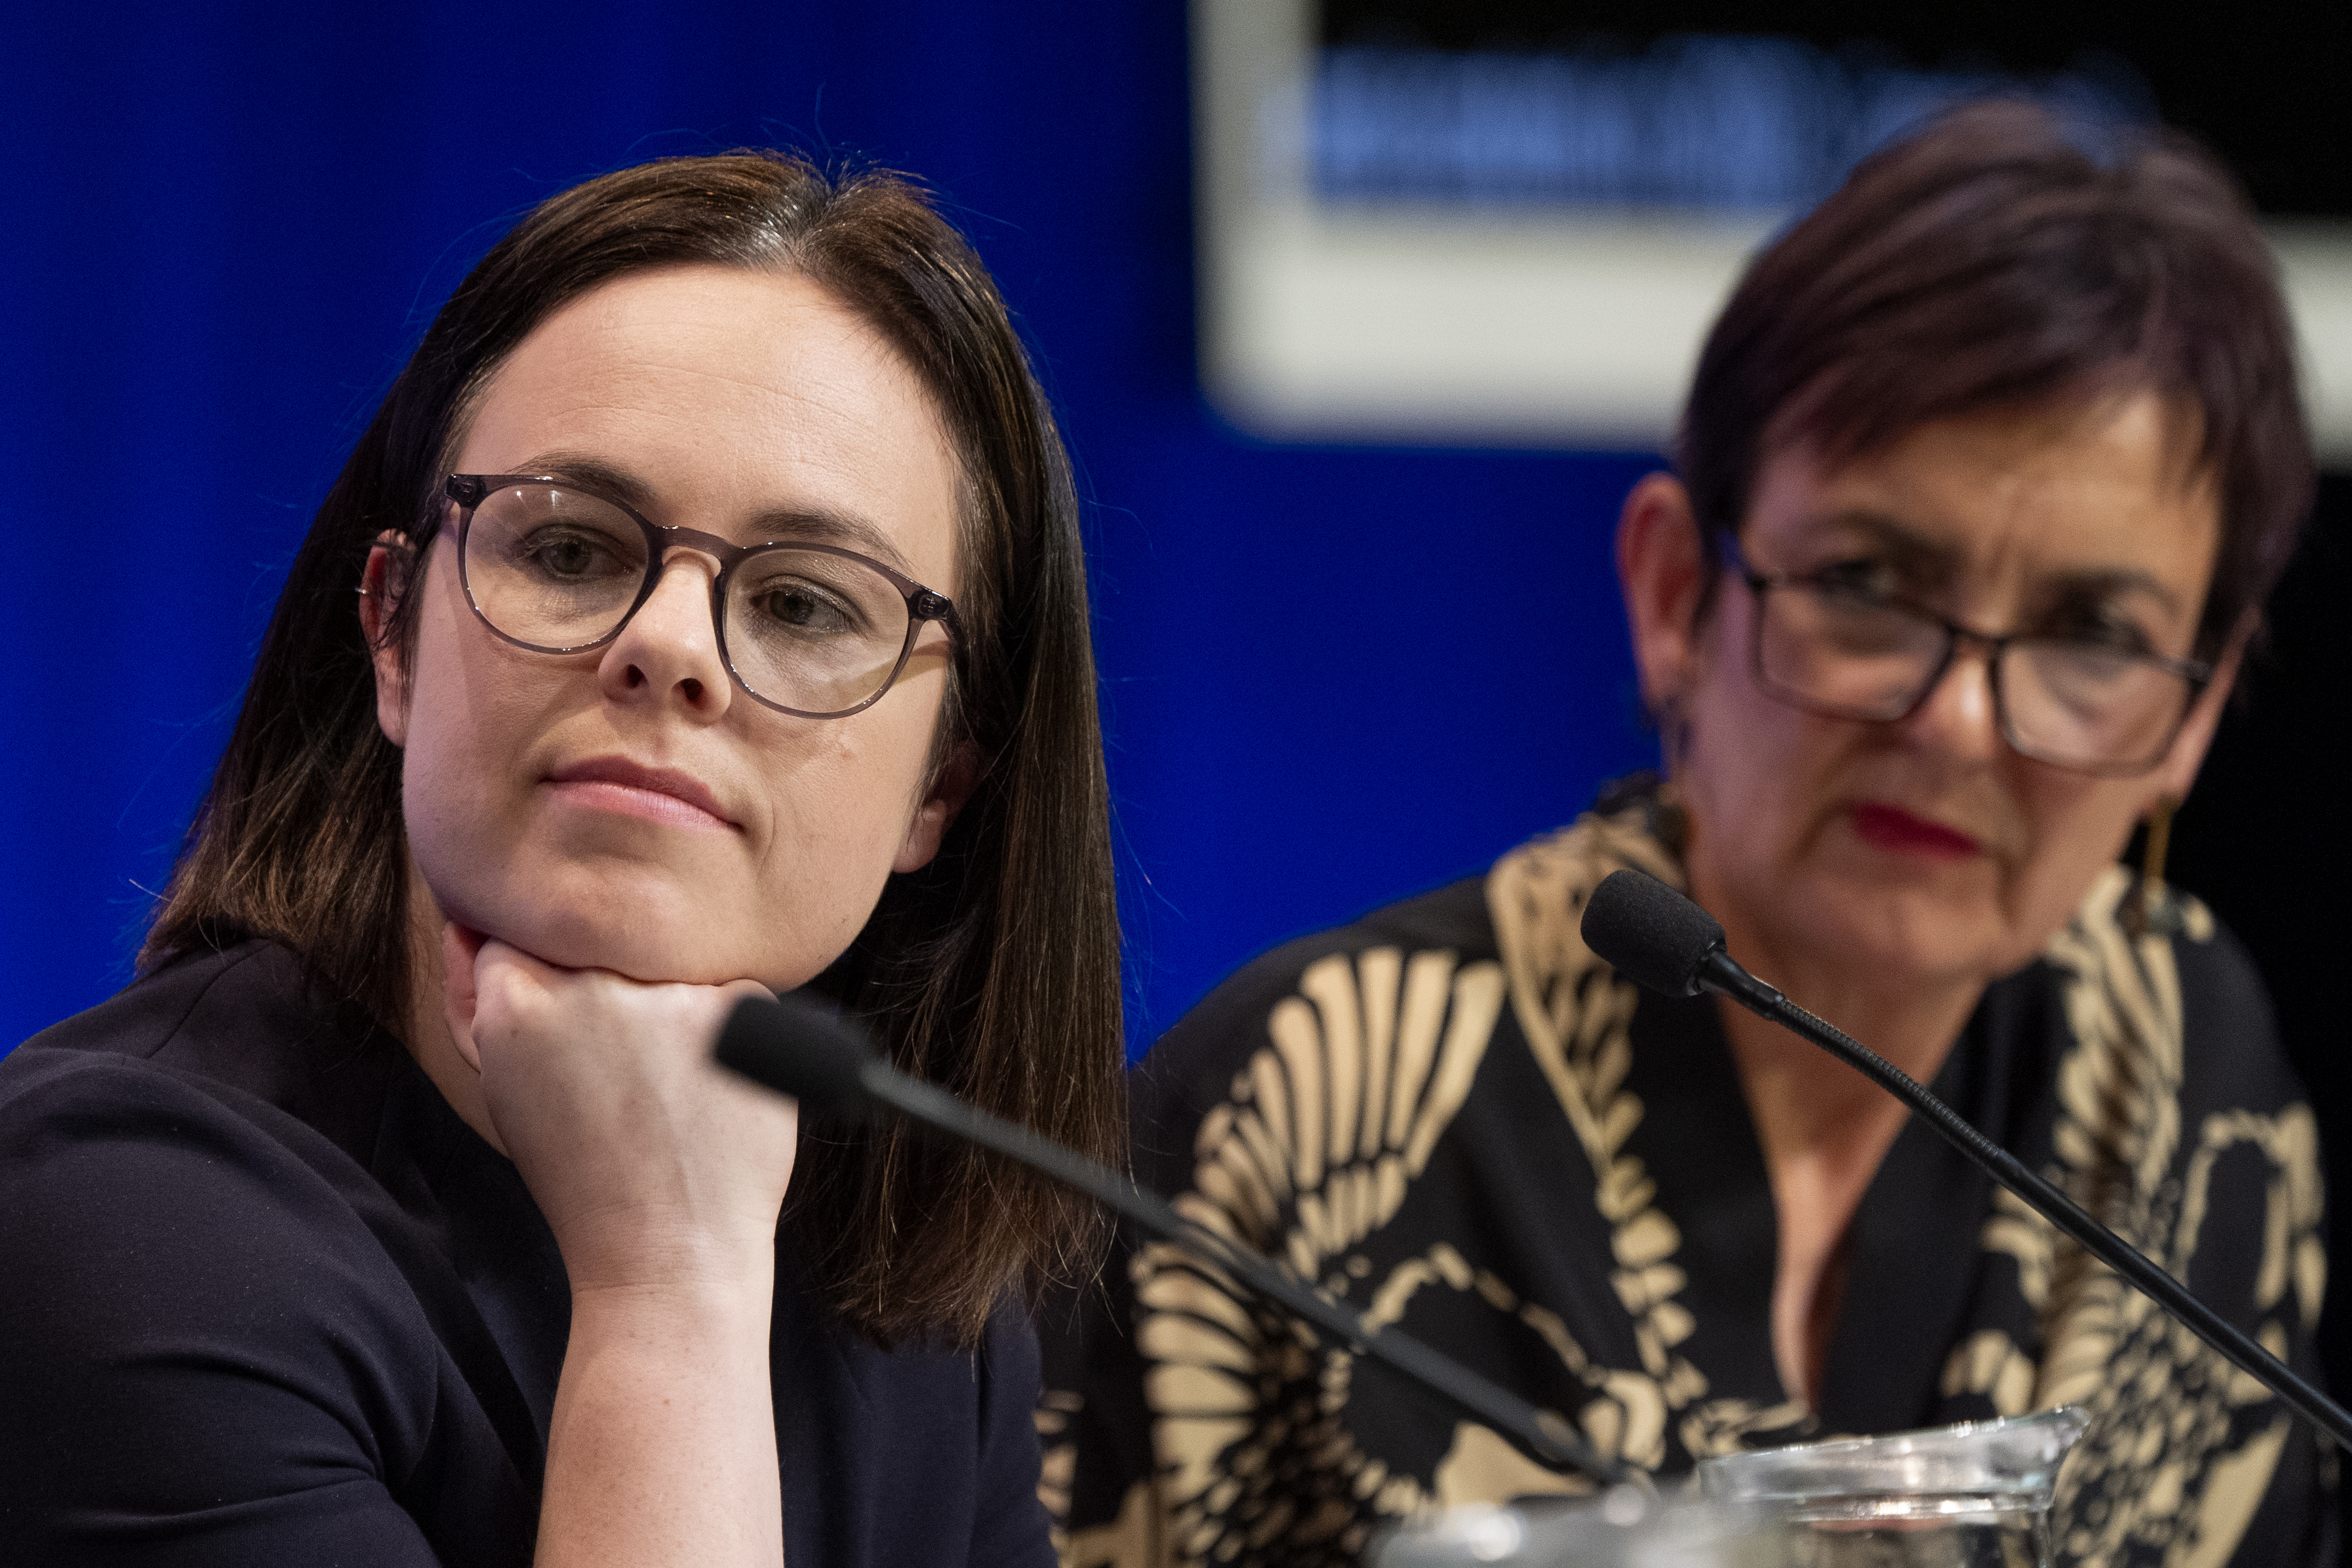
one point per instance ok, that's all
(742, 991)
(490, 953)
(459, 992)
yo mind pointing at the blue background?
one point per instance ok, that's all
(1332, 676)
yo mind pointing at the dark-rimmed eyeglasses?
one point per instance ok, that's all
(1832, 642)
(811, 630)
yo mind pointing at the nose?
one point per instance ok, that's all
(668, 652)
(1959, 715)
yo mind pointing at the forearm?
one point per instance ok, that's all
(663, 1449)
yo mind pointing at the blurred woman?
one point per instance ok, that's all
(719, 628)
(1987, 469)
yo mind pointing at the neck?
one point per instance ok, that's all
(1912, 1023)
(1824, 1128)
(1912, 1020)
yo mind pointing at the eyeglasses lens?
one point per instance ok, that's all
(813, 631)
(1834, 652)
(2090, 708)
(554, 568)
(558, 570)
(2074, 703)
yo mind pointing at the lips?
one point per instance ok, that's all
(657, 794)
(1889, 827)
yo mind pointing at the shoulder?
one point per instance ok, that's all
(236, 1041)
(163, 1135)
(204, 1268)
(1413, 991)
(2222, 998)
(181, 1141)
(1194, 1063)
(2191, 974)
(242, 1014)
(2233, 1061)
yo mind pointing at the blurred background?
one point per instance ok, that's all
(1362, 316)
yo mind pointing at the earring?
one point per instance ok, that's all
(2148, 909)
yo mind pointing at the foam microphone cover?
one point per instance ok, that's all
(801, 1047)
(1648, 932)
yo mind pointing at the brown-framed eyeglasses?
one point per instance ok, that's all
(807, 629)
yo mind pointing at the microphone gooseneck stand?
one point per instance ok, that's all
(1662, 941)
(801, 1048)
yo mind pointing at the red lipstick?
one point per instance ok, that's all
(1887, 827)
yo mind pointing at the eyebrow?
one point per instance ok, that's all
(821, 524)
(1907, 543)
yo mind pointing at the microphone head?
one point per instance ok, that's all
(1648, 932)
(801, 1047)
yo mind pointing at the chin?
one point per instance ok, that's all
(645, 927)
(640, 944)
(1931, 929)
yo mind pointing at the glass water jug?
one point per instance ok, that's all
(1976, 1495)
(1623, 1528)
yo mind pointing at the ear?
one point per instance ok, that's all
(2178, 772)
(950, 787)
(1661, 569)
(382, 582)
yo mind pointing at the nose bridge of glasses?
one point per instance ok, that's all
(700, 585)
(1962, 694)
(720, 550)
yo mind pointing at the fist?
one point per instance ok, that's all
(655, 1167)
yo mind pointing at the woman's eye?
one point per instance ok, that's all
(1867, 582)
(2106, 632)
(803, 609)
(567, 558)
(570, 557)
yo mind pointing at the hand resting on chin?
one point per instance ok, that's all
(654, 1167)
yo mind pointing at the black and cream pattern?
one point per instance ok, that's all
(1454, 1117)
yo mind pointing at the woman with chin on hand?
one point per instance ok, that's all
(719, 628)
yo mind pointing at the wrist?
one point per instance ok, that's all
(701, 1311)
(687, 1267)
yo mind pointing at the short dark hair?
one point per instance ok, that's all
(1990, 260)
(994, 970)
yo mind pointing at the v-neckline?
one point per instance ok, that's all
(1912, 1246)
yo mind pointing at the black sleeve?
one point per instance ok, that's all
(204, 1358)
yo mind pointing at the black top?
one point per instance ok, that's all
(265, 1297)
(1454, 1118)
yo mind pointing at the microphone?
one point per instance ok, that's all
(1661, 940)
(801, 1047)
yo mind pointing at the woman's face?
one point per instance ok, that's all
(630, 807)
(1926, 849)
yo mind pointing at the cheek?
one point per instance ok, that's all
(2076, 826)
(442, 797)
(1753, 764)
(841, 812)
(469, 721)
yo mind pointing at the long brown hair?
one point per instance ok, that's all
(1991, 260)
(993, 971)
